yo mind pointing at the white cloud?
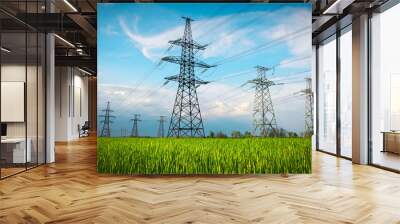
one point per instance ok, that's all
(108, 30)
(221, 100)
(227, 35)
(151, 47)
(128, 100)
(298, 19)
(228, 44)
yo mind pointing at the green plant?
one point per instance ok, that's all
(204, 155)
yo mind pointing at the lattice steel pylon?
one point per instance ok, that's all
(264, 120)
(309, 108)
(106, 130)
(186, 120)
(135, 127)
(160, 132)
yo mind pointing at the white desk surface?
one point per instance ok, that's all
(13, 140)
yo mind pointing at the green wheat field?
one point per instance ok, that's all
(145, 156)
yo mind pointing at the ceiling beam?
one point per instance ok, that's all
(77, 61)
(86, 26)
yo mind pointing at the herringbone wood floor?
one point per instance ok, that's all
(70, 191)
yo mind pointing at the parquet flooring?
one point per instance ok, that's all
(70, 191)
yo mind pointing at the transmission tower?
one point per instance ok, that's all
(264, 120)
(186, 117)
(135, 128)
(160, 132)
(309, 108)
(124, 132)
(106, 130)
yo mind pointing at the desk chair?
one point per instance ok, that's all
(84, 130)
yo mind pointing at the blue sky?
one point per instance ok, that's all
(133, 37)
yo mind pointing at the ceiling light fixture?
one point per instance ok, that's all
(84, 71)
(70, 5)
(64, 40)
(5, 50)
(337, 7)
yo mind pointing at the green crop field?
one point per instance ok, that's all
(203, 155)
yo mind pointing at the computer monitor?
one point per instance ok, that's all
(3, 130)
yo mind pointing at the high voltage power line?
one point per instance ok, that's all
(287, 81)
(277, 101)
(155, 67)
(261, 47)
(227, 19)
(274, 42)
(250, 71)
(186, 106)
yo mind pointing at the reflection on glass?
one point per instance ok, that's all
(31, 101)
(41, 98)
(346, 94)
(14, 153)
(385, 93)
(22, 92)
(327, 96)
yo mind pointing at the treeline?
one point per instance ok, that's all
(279, 133)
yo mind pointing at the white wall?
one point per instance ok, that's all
(71, 102)
(33, 126)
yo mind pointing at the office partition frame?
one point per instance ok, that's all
(339, 32)
(41, 146)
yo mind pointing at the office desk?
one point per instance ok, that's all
(13, 150)
(391, 142)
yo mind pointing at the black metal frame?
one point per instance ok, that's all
(369, 90)
(338, 98)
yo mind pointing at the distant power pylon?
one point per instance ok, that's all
(106, 130)
(264, 120)
(309, 108)
(186, 117)
(124, 132)
(160, 132)
(135, 127)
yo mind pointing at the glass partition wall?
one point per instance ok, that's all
(22, 98)
(334, 121)
(327, 95)
(345, 61)
(385, 89)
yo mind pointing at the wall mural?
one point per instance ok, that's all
(204, 88)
